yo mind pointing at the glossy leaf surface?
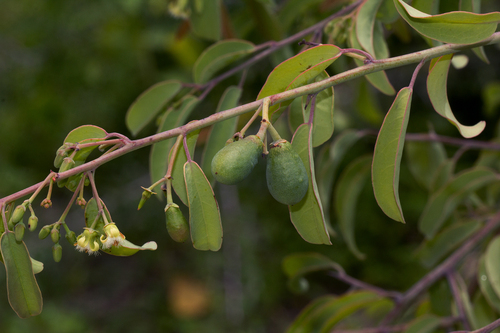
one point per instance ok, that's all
(149, 104)
(23, 292)
(388, 153)
(204, 216)
(436, 88)
(307, 215)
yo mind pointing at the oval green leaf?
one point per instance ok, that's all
(347, 191)
(452, 27)
(485, 285)
(491, 260)
(387, 156)
(23, 292)
(85, 134)
(365, 23)
(178, 182)
(147, 106)
(436, 88)
(158, 159)
(206, 19)
(442, 203)
(221, 131)
(204, 215)
(307, 215)
(218, 56)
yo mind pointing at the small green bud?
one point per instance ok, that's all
(32, 222)
(145, 196)
(57, 252)
(71, 237)
(44, 232)
(18, 213)
(177, 225)
(19, 231)
(55, 235)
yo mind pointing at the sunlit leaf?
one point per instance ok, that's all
(387, 156)
(206, 21)
(442, 203)
(444, 242)
(453, 27)
(307, 215)
(23, 292)
(436, 88)
(178, 182)
(347, 191)
(218, 56)
(485, 285)
(297, 71)
(147, 106)
(204, 215)
(221, 131)
(158, 159)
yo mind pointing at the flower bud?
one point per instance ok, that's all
(19, 231)
(18, 213)
(55, 235)
(44, 232)
(57, 252)
(145, 196)
(81, 202)
(71, 237)
(46, 203)
(32, 222)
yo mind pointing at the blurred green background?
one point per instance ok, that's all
(66, 63)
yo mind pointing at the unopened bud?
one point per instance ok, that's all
(71, 237)
(18, 213)
(145, 196)
(46, 203)
(32, 222)
(44, 232)
(81, 202)
(57, 252)
(55, 235)
(19, 231)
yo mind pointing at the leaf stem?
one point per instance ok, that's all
(173, 156)
(95, 194)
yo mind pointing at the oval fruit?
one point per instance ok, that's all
(177, 225)
(234, 162)
(286, 174)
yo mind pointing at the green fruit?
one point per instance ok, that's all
(286, 174)
(234, 162)
(177, 225)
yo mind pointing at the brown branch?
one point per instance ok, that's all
(342, 276)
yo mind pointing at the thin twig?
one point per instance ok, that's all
(342, 276)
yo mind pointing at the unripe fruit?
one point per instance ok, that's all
(19, 231)
(18, 213)
(286, 174)
(234, 162)
(55, 235)
(177, 225)
(57, 252)
(32, 222)
(44, 232)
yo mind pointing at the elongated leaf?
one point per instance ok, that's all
(453, 27)
(296, 115)
(423, 324)
(204, 216)
(206, 19)
(348, 189)
(304, 322)
(378, 79)
(126, 248)
(296, 265)
(442, 203)
(424, 159)
(387, 156)
(158, 159)
(463, 293)
(218, 56)
(23, 292)
(365, 23)
(444, 242)
(387, 12)
(436, 88)
(443, 174)
(491, 260)
(485, 285)
(178, 182)
(221, 131)
(36, 265)
(297, 71)
(147, 106)
(307, 215)
(474, 6)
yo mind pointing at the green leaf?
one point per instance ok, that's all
(85, 134)
(296, 265)
(423, 324)
(204, 215)
(307, 215)
(483, 313)
(347, 191)
(323, 114)
(147, 106)
(178, 182)
(36, 265)
(23, 292)
(206, 21)
(387, 155)
(463, 293)
(296, 114)
(92, 211)
(424, 159)
(367, 105)
(305, 320)
(378, 79)
(436, 88)
(127, 248)
(491, 260)
(298, 71)
(443, 174)
(442, 203)
(453, 27)
(485, 284)
(221, 131)
(158, 159)
(218, 56)
(365, 23)
(387, 12)
(293, 10)
(444, 242)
